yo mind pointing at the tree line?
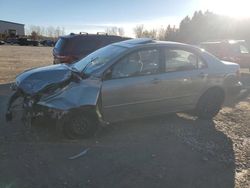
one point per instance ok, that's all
(202, 26)
(40, 32)
(119, 31)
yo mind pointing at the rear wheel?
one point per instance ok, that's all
(79, 125)
(210, 103)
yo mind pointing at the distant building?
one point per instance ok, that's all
(11, 29)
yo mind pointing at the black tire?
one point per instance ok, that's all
(79, 125)
(210, 103)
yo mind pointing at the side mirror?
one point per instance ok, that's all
(107, 75)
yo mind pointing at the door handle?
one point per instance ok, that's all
(156, 81)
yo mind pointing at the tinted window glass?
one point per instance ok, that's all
(181, 60)
(83, 44)
(60, 44)
(110, 39)
(143, 62)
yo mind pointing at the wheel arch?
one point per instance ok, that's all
(213, 88)
(230, 80)
(90, 110)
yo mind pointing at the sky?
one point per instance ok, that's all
(96, 15)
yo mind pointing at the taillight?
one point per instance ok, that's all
(65, 59)
(238, 74)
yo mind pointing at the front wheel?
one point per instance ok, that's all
(79, 125)
(210, 104)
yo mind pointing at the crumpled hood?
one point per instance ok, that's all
(34, 80)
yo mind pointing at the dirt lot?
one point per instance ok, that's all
(16, 59)
(166, 151)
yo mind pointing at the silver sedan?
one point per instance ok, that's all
(130, 79)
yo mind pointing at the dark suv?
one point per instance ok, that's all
(73, 47)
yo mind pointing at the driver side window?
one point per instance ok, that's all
(144, 62)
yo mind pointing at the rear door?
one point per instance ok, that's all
(184, 78)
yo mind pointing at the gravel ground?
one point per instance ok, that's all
(165, 151)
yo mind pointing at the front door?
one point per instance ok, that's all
(131, 89)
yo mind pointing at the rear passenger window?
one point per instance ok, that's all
(181, 60)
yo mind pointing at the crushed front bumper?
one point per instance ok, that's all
(30, 108)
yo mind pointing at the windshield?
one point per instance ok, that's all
(98, 59)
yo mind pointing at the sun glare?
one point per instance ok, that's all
(233, 8)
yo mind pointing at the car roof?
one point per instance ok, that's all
(132, 43)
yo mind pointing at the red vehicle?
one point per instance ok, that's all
(229, 50)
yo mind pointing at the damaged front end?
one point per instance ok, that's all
(30, 108)
(51, 92)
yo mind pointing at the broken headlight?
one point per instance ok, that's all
(28, 102)
(13, 86)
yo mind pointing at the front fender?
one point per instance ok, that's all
(75, 95)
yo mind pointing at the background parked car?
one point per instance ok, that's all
(47, 43)
(27, 42)
(73, 47)
(230, 50)
(2, 42)
(12, 41)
